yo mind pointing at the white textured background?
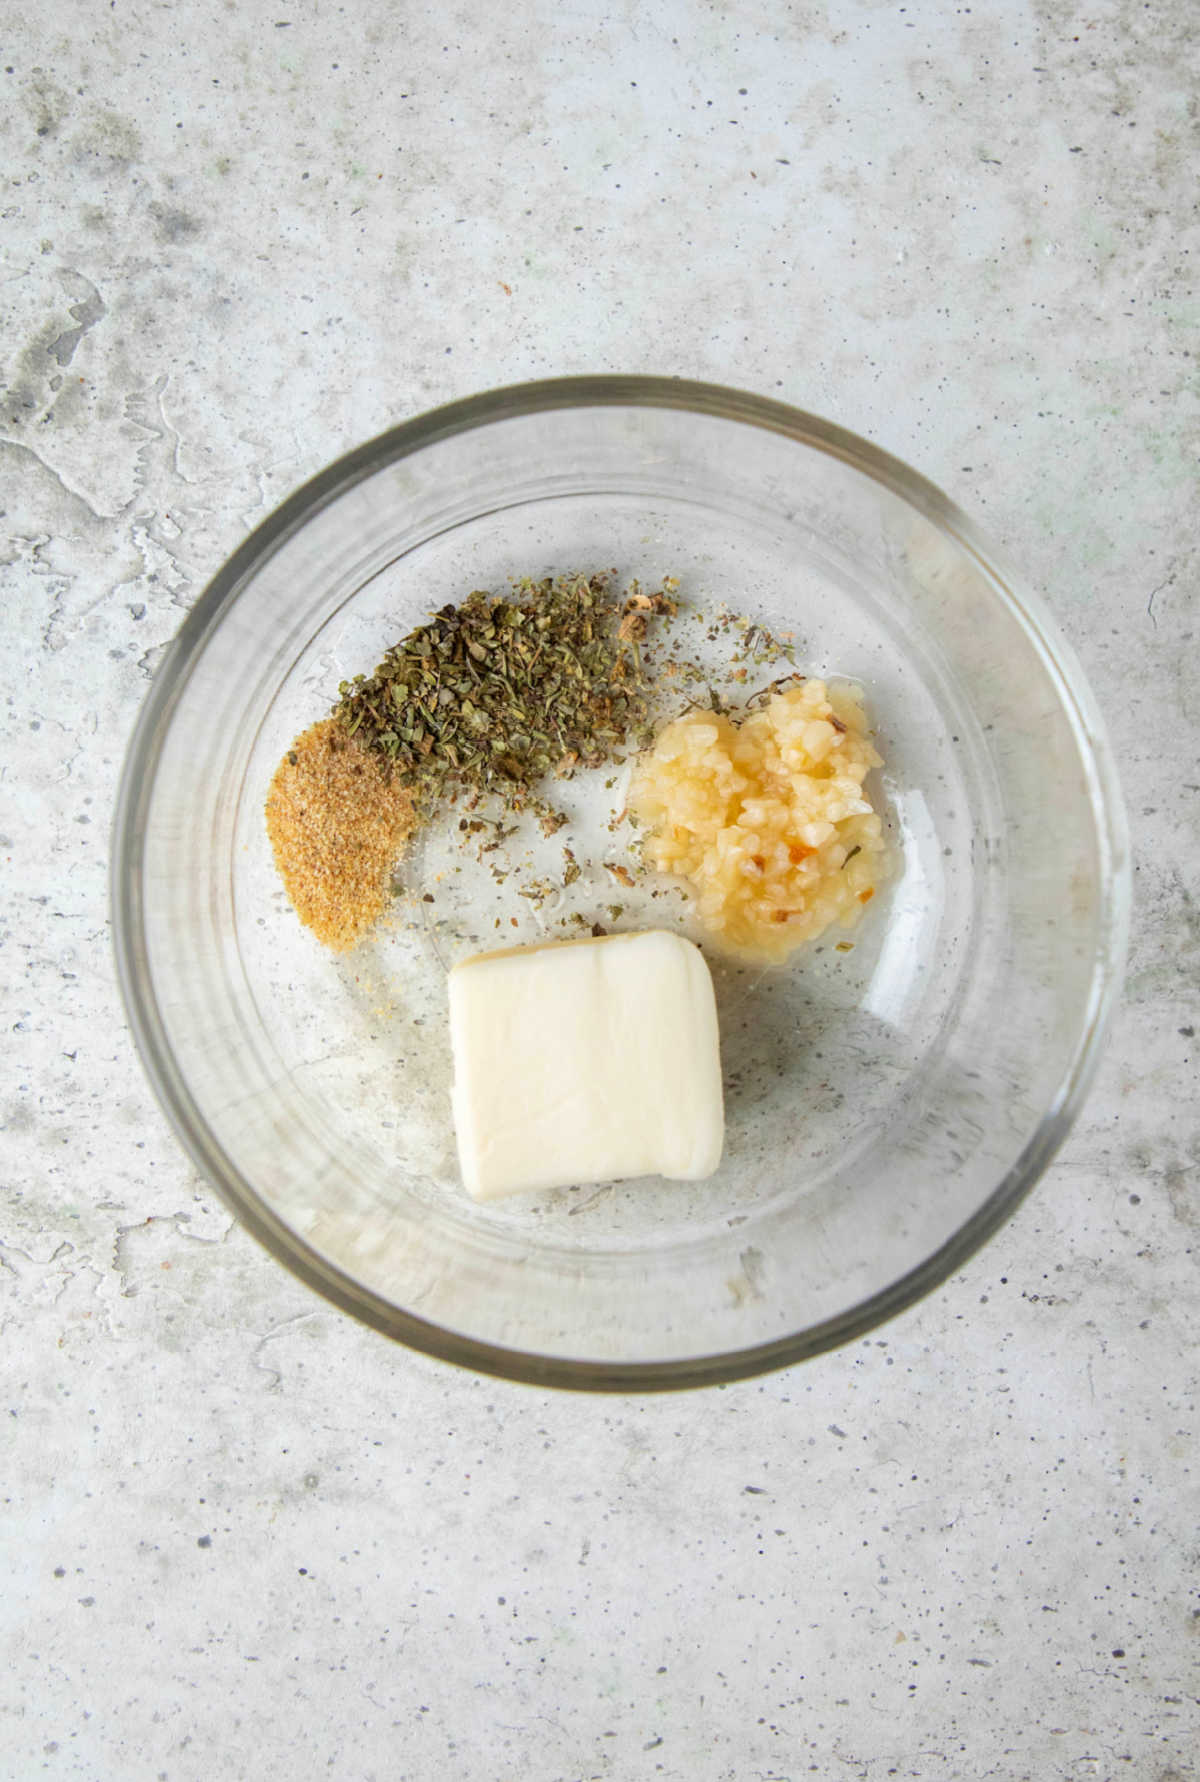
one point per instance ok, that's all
(241, 1536)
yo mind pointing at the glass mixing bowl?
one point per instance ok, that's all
(887, 1106)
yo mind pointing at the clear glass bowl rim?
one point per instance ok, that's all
(131, 813)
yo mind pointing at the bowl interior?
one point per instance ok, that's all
(885, 1104)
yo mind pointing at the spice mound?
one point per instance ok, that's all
(494, 695)
(767, 818)
(337, 822)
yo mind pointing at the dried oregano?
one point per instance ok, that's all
(497, 694)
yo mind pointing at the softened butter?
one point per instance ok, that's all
(585, 1061)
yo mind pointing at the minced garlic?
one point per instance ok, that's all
(767, 817)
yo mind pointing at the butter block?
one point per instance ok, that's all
(585, 1061)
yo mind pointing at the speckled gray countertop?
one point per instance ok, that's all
(243, 1536)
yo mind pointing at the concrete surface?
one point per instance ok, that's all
(242, 1536)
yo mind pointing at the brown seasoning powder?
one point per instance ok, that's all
(337, 823)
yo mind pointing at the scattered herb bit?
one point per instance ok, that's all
(621, 873)
(773, 687)
(570, 868)
(856, 849)
(758, 645)
(537, 891)
(615, 910)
